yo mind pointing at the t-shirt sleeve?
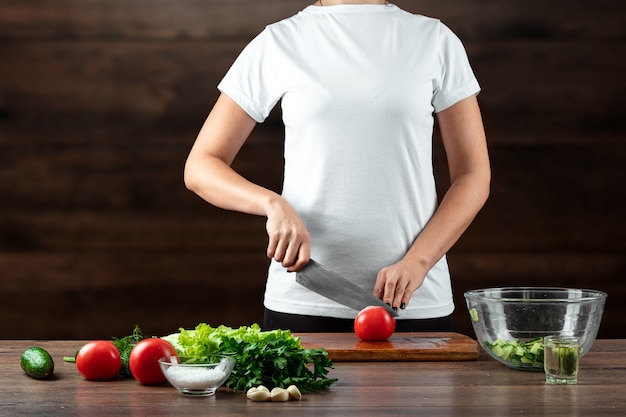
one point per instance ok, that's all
(251, 80)
(457, 80)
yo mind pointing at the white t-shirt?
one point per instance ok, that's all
(359, 85)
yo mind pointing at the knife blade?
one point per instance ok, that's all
(330, 284)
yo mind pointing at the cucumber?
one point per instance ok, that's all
(518, 353)
(474, 315)
(37, 363)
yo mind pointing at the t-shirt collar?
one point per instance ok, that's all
(350, 8)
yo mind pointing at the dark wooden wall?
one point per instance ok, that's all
(101, 100)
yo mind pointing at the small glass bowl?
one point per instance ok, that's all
(195, 379)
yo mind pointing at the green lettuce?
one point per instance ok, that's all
(272, 358)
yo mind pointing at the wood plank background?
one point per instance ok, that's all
(101, 100)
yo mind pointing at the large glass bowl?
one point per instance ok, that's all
(510, 322)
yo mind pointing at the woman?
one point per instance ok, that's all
(358, 82)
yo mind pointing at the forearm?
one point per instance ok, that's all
(214, 181)
(217, 183)
(458, 208)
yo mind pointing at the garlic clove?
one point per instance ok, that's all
(294, 392)
(279, 394)
(256, 394)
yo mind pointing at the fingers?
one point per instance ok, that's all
(385, 287)
(301, 259)
(393, 292)
(395, 286)
(289, 245)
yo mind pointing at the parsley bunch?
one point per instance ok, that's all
(273, 358)
(125, 345)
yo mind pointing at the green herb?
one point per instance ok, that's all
(272, 358)
(527, 354)
(125, 345)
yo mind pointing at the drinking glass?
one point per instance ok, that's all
(561, 359)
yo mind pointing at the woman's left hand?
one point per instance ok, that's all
(395, 284)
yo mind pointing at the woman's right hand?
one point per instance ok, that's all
(289, 240)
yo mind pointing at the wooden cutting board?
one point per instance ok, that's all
(346, 347)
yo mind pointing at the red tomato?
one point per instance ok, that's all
(98, 360)
(144, 360)
(374, 323)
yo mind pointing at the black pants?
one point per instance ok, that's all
(316, 324)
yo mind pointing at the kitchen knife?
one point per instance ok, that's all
(323, 281)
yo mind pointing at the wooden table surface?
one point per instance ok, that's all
(466, 388)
